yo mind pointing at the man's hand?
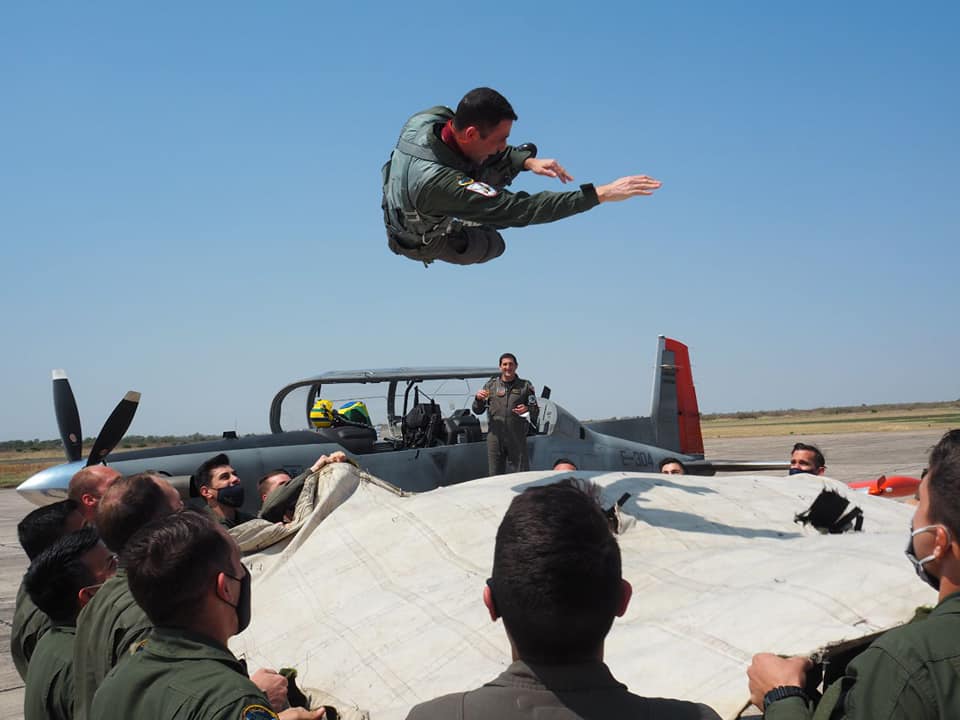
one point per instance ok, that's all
(274, 686)
(483, 394)
(768, 671)
(520, 409)
(335, 457)
(299, 713)
(548, 168)
(627, 187)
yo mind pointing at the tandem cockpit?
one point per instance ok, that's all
(369, 411)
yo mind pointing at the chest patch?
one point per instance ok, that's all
(257, 712)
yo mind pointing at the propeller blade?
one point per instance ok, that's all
(114, 428)
(68, 418)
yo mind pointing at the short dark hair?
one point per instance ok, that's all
(58, 574)
(556, 572)
(202, 476)
(42, 527)
(484, 109)
(817, 455)
(565, 461)
(268, 475)
(129, 504)
(669, 460)
(171, 563)
(943, 482)
(508, 355)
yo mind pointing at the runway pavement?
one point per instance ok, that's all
(854, 456)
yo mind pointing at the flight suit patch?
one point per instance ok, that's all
(257, 712)
(482, 189)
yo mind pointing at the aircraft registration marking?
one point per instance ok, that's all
(636, 458)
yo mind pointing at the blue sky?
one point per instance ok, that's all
(189, 202)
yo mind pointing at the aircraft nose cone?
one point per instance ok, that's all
(49, 485)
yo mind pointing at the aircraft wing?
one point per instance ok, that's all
(378, 602)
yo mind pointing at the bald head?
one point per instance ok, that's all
(130, 503)
(88, 486)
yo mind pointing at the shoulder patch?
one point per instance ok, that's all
(464, 181)
(137, 647)
(257, 712)
(482, 189)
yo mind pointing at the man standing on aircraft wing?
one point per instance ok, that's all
(443, 187)
(511, 406)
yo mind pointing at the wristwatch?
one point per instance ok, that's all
(782, 692)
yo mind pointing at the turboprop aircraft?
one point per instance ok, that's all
(419, 449)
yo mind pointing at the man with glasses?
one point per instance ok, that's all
(61, 581)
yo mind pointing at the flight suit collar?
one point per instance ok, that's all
(949, 606)
(558, 678)
(180, 644)
(447, 155)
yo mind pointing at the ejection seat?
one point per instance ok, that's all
(463, 427)
(422, 427)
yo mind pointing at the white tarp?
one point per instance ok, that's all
(377, 600)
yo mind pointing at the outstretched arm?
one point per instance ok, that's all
(627, 187)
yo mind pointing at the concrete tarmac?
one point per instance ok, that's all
(853, 456)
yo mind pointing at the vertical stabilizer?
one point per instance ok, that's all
(674, 410)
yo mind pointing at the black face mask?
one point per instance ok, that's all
(231, 496)
(797, 471)
(242, 607)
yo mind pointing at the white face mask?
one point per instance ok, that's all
(918, 564)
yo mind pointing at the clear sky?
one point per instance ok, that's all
(190, 202)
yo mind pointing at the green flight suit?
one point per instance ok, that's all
(439, 205)
(506, 432)
(106, 628)
(29, 625)
(49, 691)
(281, 499)
(285, 497)
(911, 673)
(178, 675)
(528, 691)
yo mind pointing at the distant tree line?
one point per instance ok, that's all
(841, 410)
(128, 442)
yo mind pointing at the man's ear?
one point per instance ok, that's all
(821, 470)
(626, 592)
(943, 539)
(88, 499)
(206, 492)
(490, 603)
(223, 589)
(85, 595)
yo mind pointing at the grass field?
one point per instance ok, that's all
(827, 421)
(17, 466)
